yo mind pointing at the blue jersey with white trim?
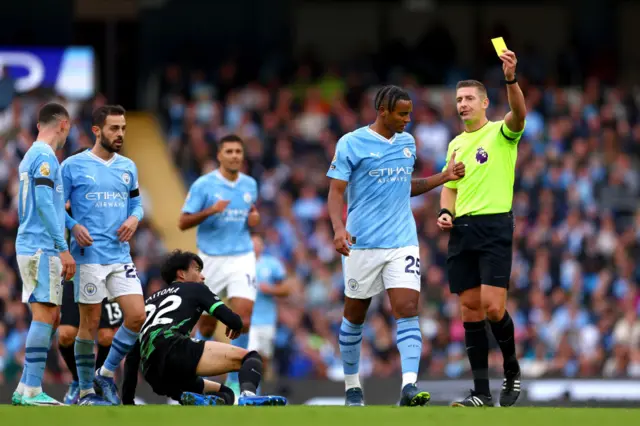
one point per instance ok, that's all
(378, 172)
(225, 233)
(103, 195)
(40, 167)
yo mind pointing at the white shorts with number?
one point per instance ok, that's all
(368, 272)
(94, 282)
(41, 278)
(261, 339)
(231, 276)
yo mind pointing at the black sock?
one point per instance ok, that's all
(69, 357)
(477, 342)
(225, 393)
(250, 373)
(503, 331)
(101, 357)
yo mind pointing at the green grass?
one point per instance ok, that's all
(307, 415)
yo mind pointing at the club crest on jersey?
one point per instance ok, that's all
(247, 197)
(407, 152)
(45, 170)
(481, 156)
(126, 178)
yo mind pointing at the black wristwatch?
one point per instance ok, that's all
(514, 81)
(445, 211)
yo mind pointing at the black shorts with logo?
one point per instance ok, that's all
(480, 251)
(171, 368)
(111, 316)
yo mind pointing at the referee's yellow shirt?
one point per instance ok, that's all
(489, 155)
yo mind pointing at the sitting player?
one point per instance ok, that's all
(172, 362)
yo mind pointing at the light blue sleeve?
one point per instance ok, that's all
(135, 199)
(254, 192)
(341, 165)
(69, 222)
(195, 199)
(43, 168)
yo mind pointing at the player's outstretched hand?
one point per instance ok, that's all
(445, 222)
(342, 242)
(509, 62)
(455, 170)
(233, 334)
(219, 206)
(127, 229)
(68, 265)
(82, 235)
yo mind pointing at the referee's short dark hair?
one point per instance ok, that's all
(178, 260)
(472, 83)
(52, 112)
(388, 96)
(232, 138)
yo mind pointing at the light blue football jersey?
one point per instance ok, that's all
(226, 233)
(378, 171)
(40, 167)
(269, 270)
(103, 195)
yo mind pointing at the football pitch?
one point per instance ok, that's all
(315, 415)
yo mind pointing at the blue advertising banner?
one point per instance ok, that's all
(69, 71)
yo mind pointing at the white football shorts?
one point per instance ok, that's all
(94, 282)
(368, 272)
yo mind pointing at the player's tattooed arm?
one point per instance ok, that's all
(454, 171)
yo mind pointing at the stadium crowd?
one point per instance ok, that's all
(574, 293)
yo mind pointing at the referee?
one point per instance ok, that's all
(477, 211)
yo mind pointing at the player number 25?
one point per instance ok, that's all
(130, 271)
(411, 263)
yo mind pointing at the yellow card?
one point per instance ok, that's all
(499, 45)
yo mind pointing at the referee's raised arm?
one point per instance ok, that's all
(514, 118)
(476, 210)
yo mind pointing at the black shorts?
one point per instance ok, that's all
(480, 251)
(111, 316)
(171, 368)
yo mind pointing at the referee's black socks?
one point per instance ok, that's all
(477, 342)
(503, 331)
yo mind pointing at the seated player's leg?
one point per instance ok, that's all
(218, 358)
(261, 339)
(363, 280)
(401, 277)
(67, 332)
(495, 273)
(241, 291)
(124, 286)
(111, 319)
(42, 289)
(90, 290)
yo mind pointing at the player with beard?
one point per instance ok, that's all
(102, 187)
(221, 204)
